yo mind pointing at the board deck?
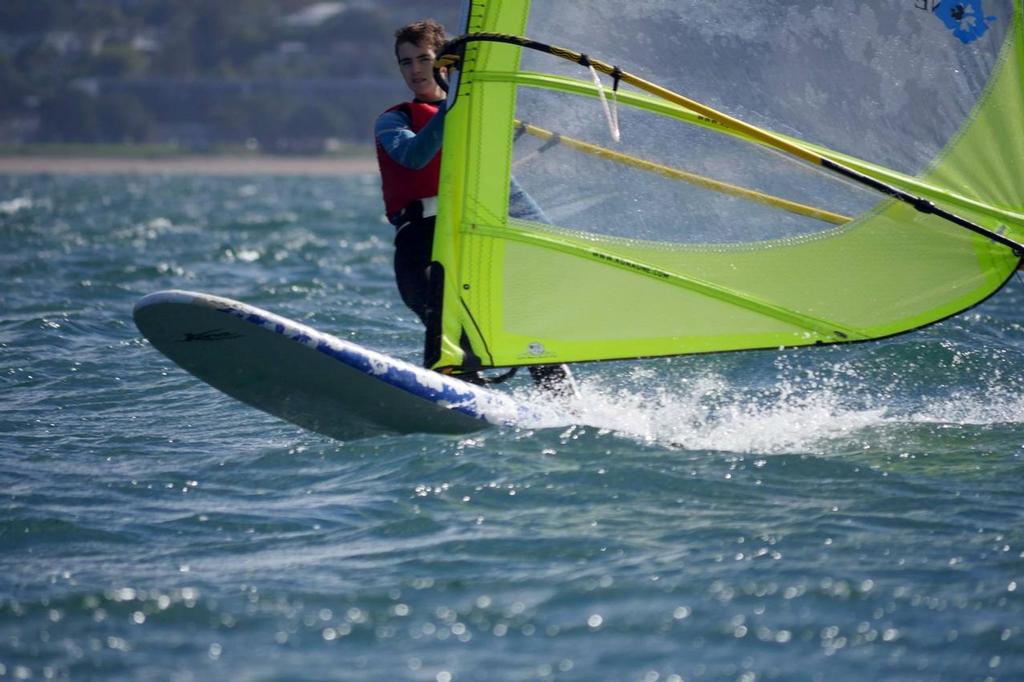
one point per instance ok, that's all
(312, 379)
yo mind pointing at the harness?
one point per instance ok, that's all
(403, 186)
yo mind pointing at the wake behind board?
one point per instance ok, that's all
(315, 380)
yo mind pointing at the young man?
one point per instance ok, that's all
(409, 137)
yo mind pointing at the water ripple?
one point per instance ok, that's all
(841, 513)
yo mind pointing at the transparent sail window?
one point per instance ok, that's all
(667, 180)
(890, 81)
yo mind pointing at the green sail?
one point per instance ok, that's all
(689, 238)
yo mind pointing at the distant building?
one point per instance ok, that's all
(18, 130)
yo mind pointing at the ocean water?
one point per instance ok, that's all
(846, 513)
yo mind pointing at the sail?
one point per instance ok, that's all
(689, 234)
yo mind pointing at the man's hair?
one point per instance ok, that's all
(426, 33)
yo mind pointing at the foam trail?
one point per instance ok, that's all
(709, 413)
(791, 404)
(713, 415)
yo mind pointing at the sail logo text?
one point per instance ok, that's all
(631, 265)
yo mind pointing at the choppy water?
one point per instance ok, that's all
(835, 514)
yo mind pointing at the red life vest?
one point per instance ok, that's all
(403, 185)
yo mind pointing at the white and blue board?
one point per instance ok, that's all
(312, 379)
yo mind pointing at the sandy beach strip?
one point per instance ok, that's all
(186, 165)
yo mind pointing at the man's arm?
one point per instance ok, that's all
(412, 150)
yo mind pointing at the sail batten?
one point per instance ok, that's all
(694, 233)
(683, 175)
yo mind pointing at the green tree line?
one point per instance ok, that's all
(121, 70)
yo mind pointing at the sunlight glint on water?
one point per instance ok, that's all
(831, 514)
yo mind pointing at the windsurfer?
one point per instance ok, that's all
(409, 137)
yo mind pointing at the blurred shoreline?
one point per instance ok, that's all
(186, 165)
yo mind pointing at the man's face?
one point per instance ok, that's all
(417, 66)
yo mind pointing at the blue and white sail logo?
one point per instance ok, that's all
(966, 18)
(536, 349)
